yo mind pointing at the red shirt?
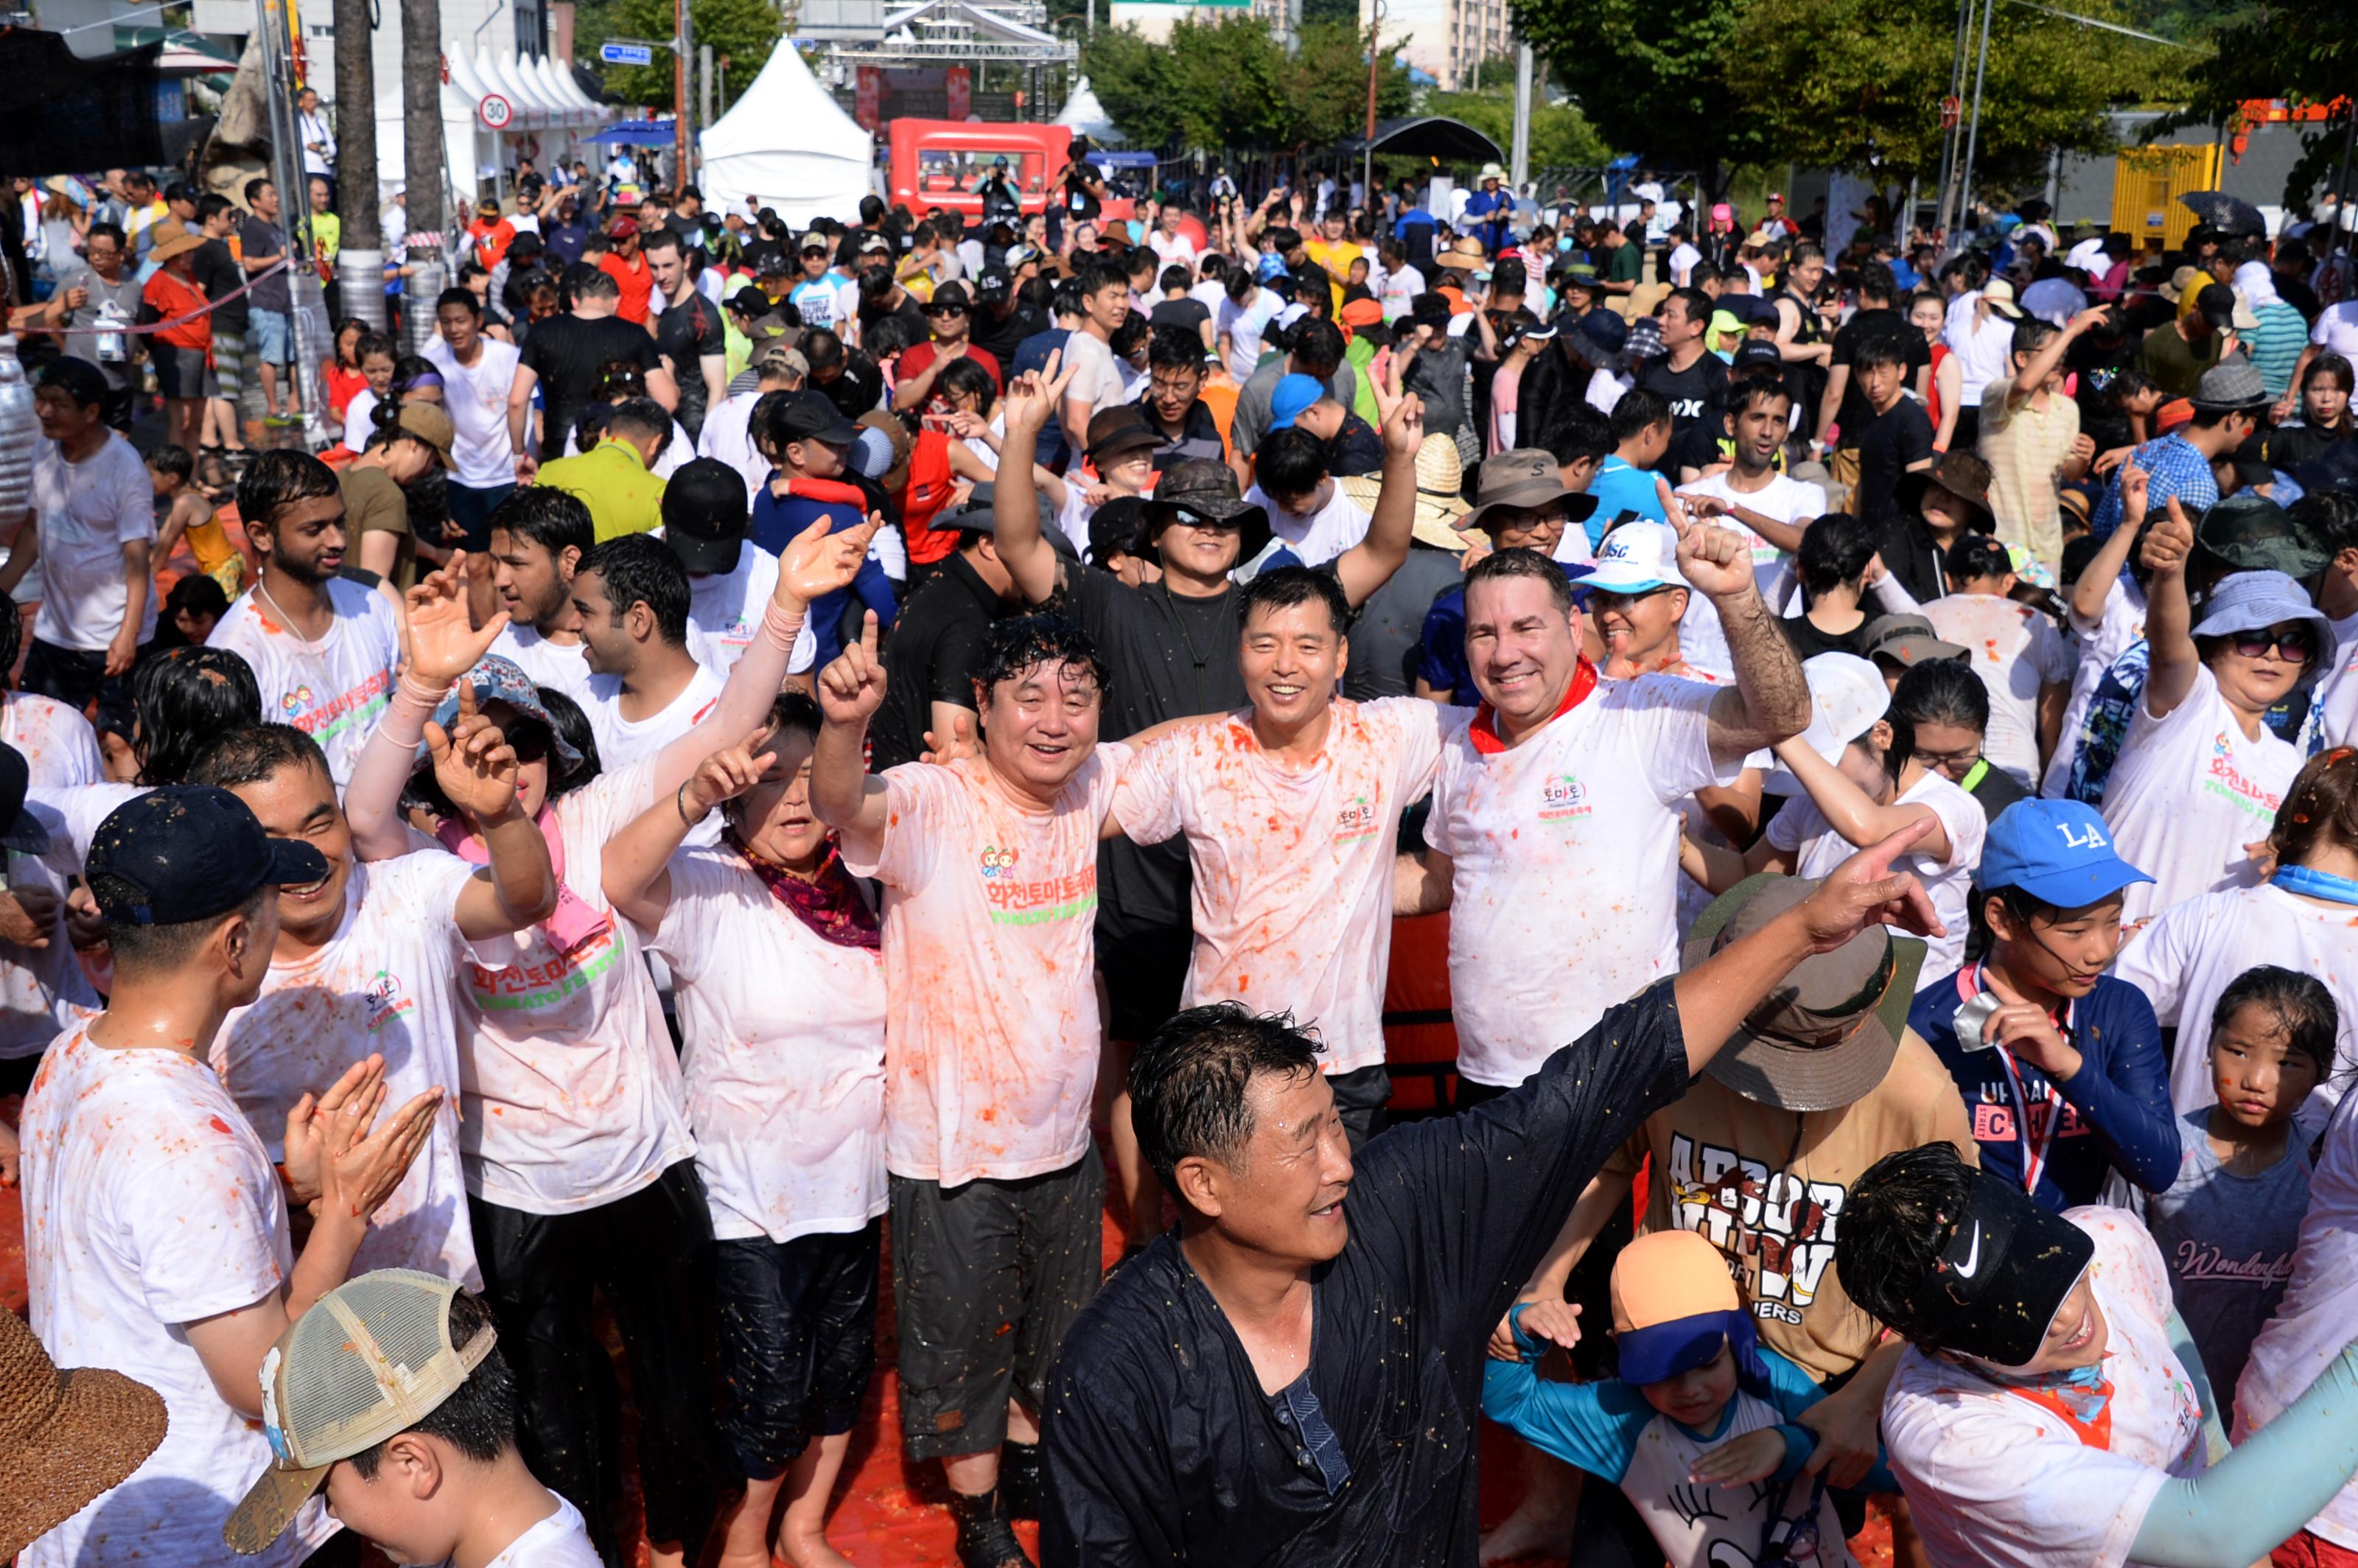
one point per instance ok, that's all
(169, 296)
(914, 361)
(636, 282)
(930, 486)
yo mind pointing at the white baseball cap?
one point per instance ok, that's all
(1637, 558)
(1847, 695)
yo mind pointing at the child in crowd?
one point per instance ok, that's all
(189, 515)
(192, 611)
(1702, 1430)
(391, 1396)
(1864, 782)
(2060, 1064)
(2228, 1225)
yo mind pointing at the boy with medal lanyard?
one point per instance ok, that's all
(2060, 1065)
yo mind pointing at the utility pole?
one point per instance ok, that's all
(360, 260)
(1375, 62)
(704, 95)
(425, 169)
(1974, 132)
(1520, 162)
(682, 55)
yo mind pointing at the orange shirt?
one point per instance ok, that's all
(170, 296)
(637, 283)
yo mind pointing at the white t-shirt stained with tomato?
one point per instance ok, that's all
(150, 1204)
(333, 689)
(815, 1066)
(561, 1540)
(570, 1090)
(385, 984)
(2189, 792)
(1803, 830)
(43, 989)
(1566, 860)
(990, 1023)
(1999, 1476)
(1293, 870)
(2015, 649)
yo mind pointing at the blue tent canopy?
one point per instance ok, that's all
(640, 132)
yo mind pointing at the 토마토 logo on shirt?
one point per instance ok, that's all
(1356, 820)
(386, 999)
(296, 700)
(997, 862)
(1562, 798)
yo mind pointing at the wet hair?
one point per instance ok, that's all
(553, 519)
(1024, 642)
(1131, 336)
(1190, 1083)
(965, 376)
(638, 417)
(196, 593)
(1290, 462)
(582, 282)
(1876, 282)
(1170, 349)
(2328, 516)
(1941, 691)
(147, 949)
(2031, 335)
(1639, 411)
(1318, 347)
(254, 752)
(1835, 550)
(1099, 273)
(463, 298)
(1286, 587)
(1894, 1220)
(639, 569)
(181, 698)
(1745, 390)
(795, 713)
(1523, 562)
(479, 1417)
(279, 479)
(2302, 1006)
(1174, 276)
(175, 460)
(1879, 350)
(2321, 807)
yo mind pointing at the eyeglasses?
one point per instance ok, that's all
(1183, 386)
(2295, 645)
(1946, 761)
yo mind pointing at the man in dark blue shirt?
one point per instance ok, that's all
(1281, 1381)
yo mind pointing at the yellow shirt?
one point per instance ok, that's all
(1336, 257)
(611, 479)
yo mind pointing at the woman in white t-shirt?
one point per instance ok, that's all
(1863, 782)
(2201, 775)
(770, 916)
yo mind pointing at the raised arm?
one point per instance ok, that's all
(444, 644)
(842, 792)
(1847, 808)
(1015, 505)
(476, 769)
(2096, 579)
(636, 869)
(1771, 699)
(1369, 564)
(2042, 364)
(2168, 615)
(815, 562)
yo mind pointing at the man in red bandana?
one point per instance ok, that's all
(1556, 810)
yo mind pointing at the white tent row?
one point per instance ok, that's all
(548, 114)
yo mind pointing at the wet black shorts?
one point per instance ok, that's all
(797, 1340)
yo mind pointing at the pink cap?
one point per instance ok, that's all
(1723, 213)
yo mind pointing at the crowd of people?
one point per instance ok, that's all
(754, 742)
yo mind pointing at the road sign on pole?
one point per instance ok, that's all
(495, 112)
(615, 53)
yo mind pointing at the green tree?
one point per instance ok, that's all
(1562, 136)
(1649, 75)
(1856, 84)
(1340, 13)
(1230, 83)
(744, 30)
(2306, 50)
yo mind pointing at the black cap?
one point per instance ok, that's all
(704, 516)
(2216, 304)
(992, 283)
(189, 852)
(810, 417)
(18, 828)
(1753, 351)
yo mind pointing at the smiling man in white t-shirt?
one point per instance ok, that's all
(1557, 809)
(1768, 508)
(538, 537)
(157, 1238)
(631, 597)
(477, 373)
(323, 647)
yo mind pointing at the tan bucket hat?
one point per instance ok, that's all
(1440, 487)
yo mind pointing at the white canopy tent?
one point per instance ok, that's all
(788, 145)
(547, 113)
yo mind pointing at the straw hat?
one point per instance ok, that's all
(1440, 501)
(170, 240)
(65, 1437)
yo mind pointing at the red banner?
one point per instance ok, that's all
(957, 92)
(868, 104)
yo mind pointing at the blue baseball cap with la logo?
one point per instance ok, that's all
(2057, 851)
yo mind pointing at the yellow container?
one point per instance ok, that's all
(2147, 183)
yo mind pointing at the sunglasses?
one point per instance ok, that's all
(945, 309)
(531, 741)
(2294, 646)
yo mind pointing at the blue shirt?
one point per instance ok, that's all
(1598, 1425)
(1485, 214)
(777, 520)
(2114, 1111)
(1619, 488)
(1032, 353)
(2173, 467)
